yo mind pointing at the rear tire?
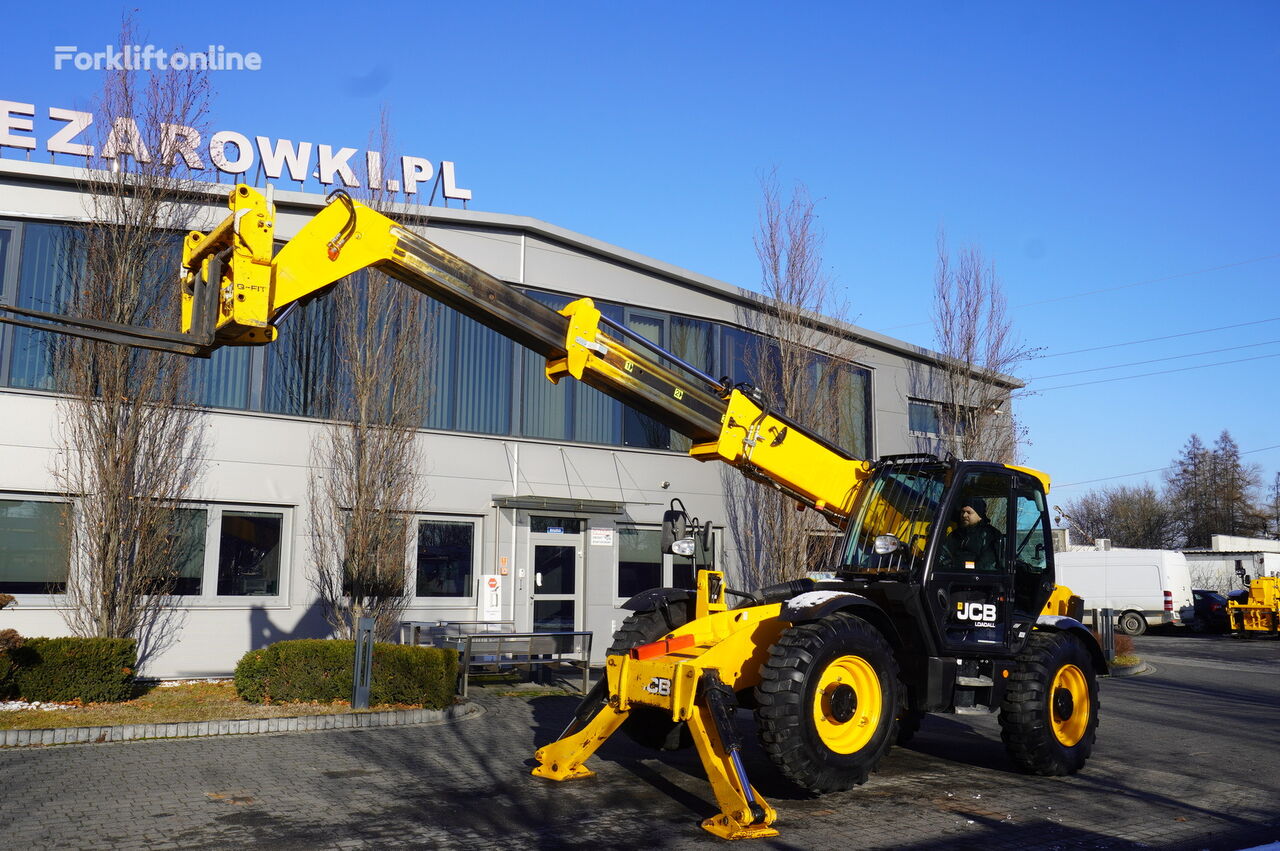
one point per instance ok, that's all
(648, 725)
(1132, 623)
(1049, 718)
(829, 702)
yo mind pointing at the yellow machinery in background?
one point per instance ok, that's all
(1256, 612)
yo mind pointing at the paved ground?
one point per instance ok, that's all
(1188, 758)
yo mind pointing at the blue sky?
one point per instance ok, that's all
(1117, 162)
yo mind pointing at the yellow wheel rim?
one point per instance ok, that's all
(847, 704)
(1069, 705)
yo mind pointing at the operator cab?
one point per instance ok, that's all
(974, 535)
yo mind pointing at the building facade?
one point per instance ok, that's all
(541, 503)
(1231, 561)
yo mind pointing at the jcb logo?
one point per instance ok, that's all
(976, 611)
(660, 686)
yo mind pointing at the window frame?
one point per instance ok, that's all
(209, 596)
(935, 407)
(667, 579)
(41, 600)
(9, 277)
(477, 551)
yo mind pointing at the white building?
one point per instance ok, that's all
(1229, 558)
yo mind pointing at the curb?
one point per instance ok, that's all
(1130, 670)
(192, 729)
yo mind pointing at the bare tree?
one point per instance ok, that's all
(801, 369)
(979, 345)
(365, 469)
(131, 443)
(1137, 517)
(1273, 508)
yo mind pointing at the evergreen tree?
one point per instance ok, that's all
(1213, 492)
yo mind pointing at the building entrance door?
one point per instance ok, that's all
(555, 587)
(557, 577)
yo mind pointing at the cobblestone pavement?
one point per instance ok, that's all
(466, 785)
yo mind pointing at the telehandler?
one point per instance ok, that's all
(907, 621)
(1255, 611)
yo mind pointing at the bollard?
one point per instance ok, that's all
(1107, 633)
(363, 673)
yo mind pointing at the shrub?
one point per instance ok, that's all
(320, 670)
(93, 670)
(251, 674)
(9, 640)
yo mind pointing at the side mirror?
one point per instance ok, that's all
(673, 531)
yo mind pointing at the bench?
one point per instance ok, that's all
(484, 646)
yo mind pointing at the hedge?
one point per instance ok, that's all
(93, 670)
(321, 670)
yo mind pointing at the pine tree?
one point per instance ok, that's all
(1213, 492)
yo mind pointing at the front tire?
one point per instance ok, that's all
(828, 702)
(648, 725)
(1049, 718)
(1132, 623)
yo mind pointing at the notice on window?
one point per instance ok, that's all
(602, 537)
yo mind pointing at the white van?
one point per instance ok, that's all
(1141, 587)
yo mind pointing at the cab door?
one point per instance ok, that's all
(970, 586)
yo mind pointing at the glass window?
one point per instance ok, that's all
(187, 539)
(853, 411)
(222, 381)
(693, 341)
(556, 525)
(301, 367)
(440, 328)
(639, 560)
(899, 501)
(977, 533)
(249, 554)
(922, 417)
(33, 546)
(483, 361)
(47, 254)
(446, 558)
(597, 417)
(640, 429)
(544, 411)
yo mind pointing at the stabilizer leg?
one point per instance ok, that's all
(563, 759)
(744, 814)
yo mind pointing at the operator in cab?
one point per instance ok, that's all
(974, 544)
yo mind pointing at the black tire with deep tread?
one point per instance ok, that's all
(786, 693)
(647, 725)
(1026, 724)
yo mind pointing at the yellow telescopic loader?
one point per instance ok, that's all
(1256, 612)
(912, 616)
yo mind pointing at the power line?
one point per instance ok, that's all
(1155, 339)
(1149, 281)
(1117, 287)
(1154, 360)
(1158, 372)
(1144, 472)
